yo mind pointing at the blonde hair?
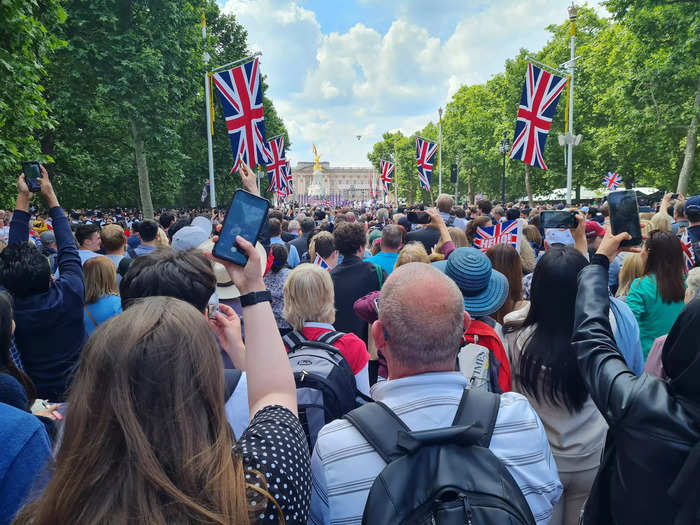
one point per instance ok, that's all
(632, 268)
(661, 221)
(646, 226)
(162, 240)
(412, 252)
(312, 243)
(100, 278)
(308, 296)
(527, 255)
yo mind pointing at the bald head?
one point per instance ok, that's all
(422, 312)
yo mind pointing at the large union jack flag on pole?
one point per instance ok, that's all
(277, 167)
(501, 233)
(240, 92)
(538, 103)
(425, 158)
(387, 172)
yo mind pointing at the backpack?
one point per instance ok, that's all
(231, 380)
(326, 387)
(482, 359)
(445, 476)
(450, 221)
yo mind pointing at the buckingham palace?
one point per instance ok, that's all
(349, 183)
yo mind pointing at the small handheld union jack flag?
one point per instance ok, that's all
(387, 172)
(425, 158)
(538, 103)
(612, 181)
(277, 167)
(501, 233)
(688, 254)
(320, 262)
(240, 92)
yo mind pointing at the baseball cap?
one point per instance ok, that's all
(693, 203)
(47, 237)
(593, 229)
(193, 235)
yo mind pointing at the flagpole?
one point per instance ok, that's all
(236, 62)
(571, 66)
(210, 130)
(439, 154)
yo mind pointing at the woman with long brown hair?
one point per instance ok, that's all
(146, 439)
(101, 292)
(656, 298)
(506, 260)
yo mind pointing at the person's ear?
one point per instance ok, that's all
(467, 320)
(379, 334)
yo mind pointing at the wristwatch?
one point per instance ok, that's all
(252, 298)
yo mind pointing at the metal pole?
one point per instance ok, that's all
(207, 96)
(440, 152)
(570, 152)
(503, 180)
(457, 183)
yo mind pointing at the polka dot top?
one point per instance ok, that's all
(274, 444)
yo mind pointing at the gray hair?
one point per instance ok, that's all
(382, 214)
(293, 225)
(422, 311)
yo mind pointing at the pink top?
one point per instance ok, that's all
(654, 366)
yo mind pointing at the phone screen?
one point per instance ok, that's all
(31, 173)
(624, 216)
(245, 217)
(557, 219)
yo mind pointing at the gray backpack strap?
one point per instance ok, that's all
(478, 406)
(330, 337)
(293, 340)
(380, 426)
(231, 379)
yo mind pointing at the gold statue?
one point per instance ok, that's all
(317, 157)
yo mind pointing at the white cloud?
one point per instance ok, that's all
(331, 87)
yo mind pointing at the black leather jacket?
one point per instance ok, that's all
(653, 427)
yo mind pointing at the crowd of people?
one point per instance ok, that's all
(360, 368)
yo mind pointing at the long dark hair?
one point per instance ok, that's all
(7, 365)
(548, 368)
(506, 260)
(665, 262)
(146, 439)
(279, 255)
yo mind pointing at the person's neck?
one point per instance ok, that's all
(388, 250)
(116, 252)
(86, 249)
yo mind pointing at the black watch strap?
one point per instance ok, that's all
(252, 298)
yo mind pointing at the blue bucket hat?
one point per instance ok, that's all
(483, 288)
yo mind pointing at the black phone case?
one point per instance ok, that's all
(243, 259)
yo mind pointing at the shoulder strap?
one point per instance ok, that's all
(294, 339)
(380, 426)
(330, 337)
(380, 276)
(231, 379)
(478, 406)
(450, 221)
(90, 316)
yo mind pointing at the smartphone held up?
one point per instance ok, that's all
(245, 217)
(32, 172)
(624, 216)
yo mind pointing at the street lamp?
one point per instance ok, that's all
(504, 148)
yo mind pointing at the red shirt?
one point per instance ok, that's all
(352, 347)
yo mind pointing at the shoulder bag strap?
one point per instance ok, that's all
(330, 337)
(294, 339)
(380, 276)
(231, 379)
(380, 426)
(478, 406)
(90, 316)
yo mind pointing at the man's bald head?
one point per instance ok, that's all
(422, 312)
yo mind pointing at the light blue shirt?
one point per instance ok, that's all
(457, 223)
(386, 260)
(105, 307)
(293, 256)
(143, 249)
(84, 256)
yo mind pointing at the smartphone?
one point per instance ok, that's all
(376, 305)
(31, 174)
(674, 195)
(558, 219)
(245, 217)
(624, 216)
(418, 217)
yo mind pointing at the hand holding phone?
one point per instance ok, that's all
(418, 217)
(31, 172)
(245, 218)
(558, 219)
(624, 216)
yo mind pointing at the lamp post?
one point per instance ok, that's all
(504, 148)
(440, 151)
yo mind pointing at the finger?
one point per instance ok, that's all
(43, 171)
(248, 248)
(228, 311)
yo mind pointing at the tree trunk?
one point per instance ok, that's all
(528, 189)
(691, 145)
(142, 170)
(470, 195)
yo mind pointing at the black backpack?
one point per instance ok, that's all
(445, 476)
(326, 388)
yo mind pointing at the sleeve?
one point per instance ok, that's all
(654, 365)
(25, 472)
(635, 299)
(611, 384)
(448, 248)
(354, 351)
(19, 227)
(71, 270)
(319, 513)
(274, 445)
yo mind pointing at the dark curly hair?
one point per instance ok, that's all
(280, 254)
(24, 271)
(349, 237)
(184, 275)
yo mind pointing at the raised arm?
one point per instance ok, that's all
(19, 226)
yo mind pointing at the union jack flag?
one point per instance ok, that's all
(290, 182)
(688, 254)
(387, 169)
(502, 233)
(425, 157)
(277, 167)
(612, 180)
(538, 102)
(240, 92)
(320, 262)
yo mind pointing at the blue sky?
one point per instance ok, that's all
(341, 68)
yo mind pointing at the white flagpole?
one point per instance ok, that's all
(440, 152)
(207, 96)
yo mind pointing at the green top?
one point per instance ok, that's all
(655, 318)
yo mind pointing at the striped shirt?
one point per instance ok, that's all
(344, 465)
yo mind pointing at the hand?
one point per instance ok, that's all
(227, 327)
(610, 245)
(436, 220)
(247, 278)
(249, 179)
(47, 188)
(579, 235)
(666, 199)
(50, 411)
(23, 188)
